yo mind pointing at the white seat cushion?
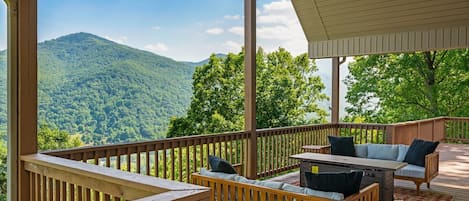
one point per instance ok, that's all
(411, 171)
(220, 175)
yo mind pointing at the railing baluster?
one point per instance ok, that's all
(147, 160)
(139, 157)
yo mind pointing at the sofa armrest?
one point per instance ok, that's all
(431, 165)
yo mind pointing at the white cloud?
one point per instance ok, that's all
(278, 26)
(232, 17)
(156, 28)
(157, 48)
(232, 46)
(121, 39)
(237, 30)
(214, 31)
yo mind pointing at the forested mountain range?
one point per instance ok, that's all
(106, 91)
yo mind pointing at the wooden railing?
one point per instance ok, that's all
(364, 133)
(275, 145)
(178, 158)
(457, 129)
(54, 178)
(174, 158)
(427, 129)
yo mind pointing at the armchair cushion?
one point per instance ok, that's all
(342, 146)
(411, 171)
(346, 183)
(418, 150)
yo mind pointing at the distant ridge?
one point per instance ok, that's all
(205, 61)
(106, 91)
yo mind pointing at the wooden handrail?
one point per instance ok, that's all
(101, 180)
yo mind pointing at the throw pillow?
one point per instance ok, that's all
(347, 183)
(342, 146)
(418, 150)
(219, 165)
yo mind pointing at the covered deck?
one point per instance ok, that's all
(102, 172)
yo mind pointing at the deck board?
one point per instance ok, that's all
(453, 178)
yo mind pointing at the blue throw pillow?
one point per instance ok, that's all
(219, 165)
(342, 146)
(347, 183)
(418, 150)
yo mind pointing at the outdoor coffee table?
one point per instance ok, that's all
(376, 171)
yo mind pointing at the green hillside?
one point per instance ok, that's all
(107, 91)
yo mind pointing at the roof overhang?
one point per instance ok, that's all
(359, 27)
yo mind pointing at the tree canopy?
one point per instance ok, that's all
(287, 94)
(409, 86)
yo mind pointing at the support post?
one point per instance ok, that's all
(250, 86)
(335, 96)
(22, 93)
(335, 90)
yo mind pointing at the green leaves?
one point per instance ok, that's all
(409, 86)
(287, 94)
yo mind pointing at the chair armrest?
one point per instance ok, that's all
(432, 165)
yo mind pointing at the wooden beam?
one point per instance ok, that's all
(250, 86)
(22, 92)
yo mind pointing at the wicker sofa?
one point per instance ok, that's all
(397, 152)
(233, 187)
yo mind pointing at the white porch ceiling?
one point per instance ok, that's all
(356, 27)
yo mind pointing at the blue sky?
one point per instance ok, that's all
(185, 30)
(188, 30)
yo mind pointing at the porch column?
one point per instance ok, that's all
(335, 90)
(22, 93)
(250, 86)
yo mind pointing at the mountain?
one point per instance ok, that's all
(107, 91)
(205, 61)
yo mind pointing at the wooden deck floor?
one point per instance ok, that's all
(453, 178)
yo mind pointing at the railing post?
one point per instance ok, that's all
(250, 86)
(389, 135)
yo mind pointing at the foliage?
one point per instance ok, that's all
(52, 139)
(287, 94)
(409, 86)
(48, 139)
(105, 91)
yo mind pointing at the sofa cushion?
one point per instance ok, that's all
(402, 152)
(383, 151)
(220, 175)
(361, 150)
(346, 183)
(323, 194)
(308, 191)
(418, 150)
(268, 184)
(342, 146)
(411, 171)
(220, 165)
(240, 179)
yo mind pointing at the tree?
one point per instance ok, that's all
(52, 138)
(287, 94)
(409, 86)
